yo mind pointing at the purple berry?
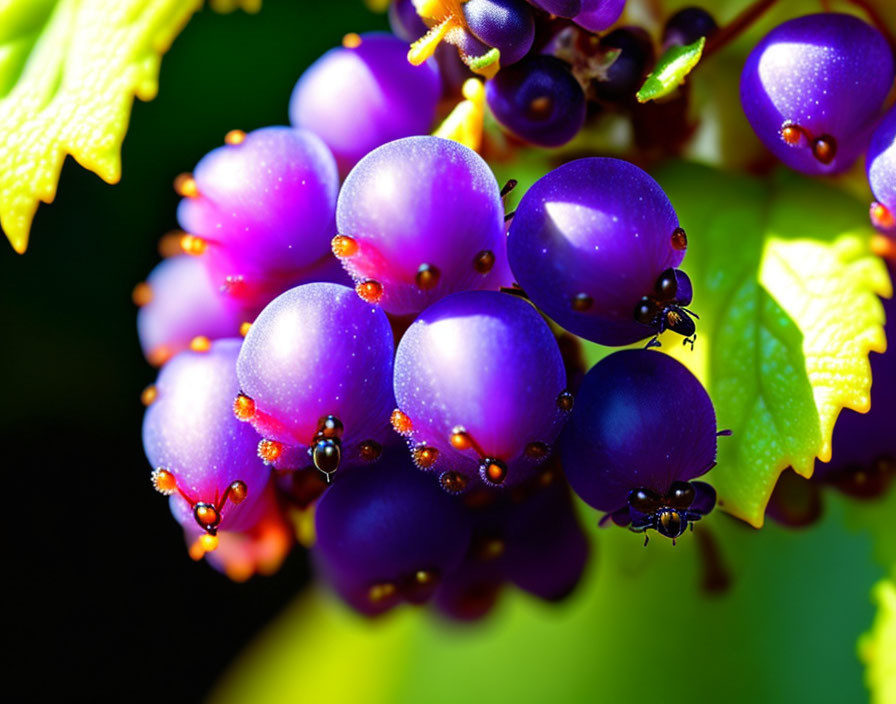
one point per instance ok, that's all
(643, 427)
(598, 15)
(590, 241)
(179, 302)
(881, 166)
(506, 25)
(812, 88)
(419, 218)
(263, 210)
(480, 384)
(538, 100)
(627, 72)
(388, 533)
(316, 378)
(360, 97)
(203, 457)
(687, 26)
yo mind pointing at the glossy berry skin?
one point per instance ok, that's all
(687, 25)
(537, 100)
(419, 211)
(547, 551)
(598, 15)
(265, 207)
(388, 533)
(318, 350)
(812, 88)
(189, 431)
(506, 25)
(356, 99)
(588, 241)
(641, 422)
(881, 168)
(184, 303)
(484, 363)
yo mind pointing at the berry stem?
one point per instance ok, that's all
(736, 27)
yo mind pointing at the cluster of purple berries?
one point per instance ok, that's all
(403, 377)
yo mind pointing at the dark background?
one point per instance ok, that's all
(105, 602)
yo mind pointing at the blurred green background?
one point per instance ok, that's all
(98, 569)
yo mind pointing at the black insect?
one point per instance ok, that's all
(665, 308)
(670, 515)
(326, 447)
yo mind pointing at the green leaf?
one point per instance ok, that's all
(877, 648)
(69, 71)
(671, 70)
(638, 625)
(785, 286)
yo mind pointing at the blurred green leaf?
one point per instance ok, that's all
(640, 626)
(69, 71)
(786, 288)
(877, 648)
(671, 69)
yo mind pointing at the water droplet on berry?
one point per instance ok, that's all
(565, 401)
(453, 482)
(401, 423)
(234, 137)
(427, 277)
(424, 456)
(484, 261)
(582, 302)
(344, 246)
(679, 239)
(370, 291)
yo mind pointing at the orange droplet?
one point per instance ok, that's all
(370, 291)
(582, 302)
(495, 472)
(370, 450)
(427, 277)
(235, 137)
(565, 401)
(484, 261)
(243, 408)
(351, 40)
(424, 456)
(380, 592)
(460, 440)
(344, 246)
(244, 328)
(208, 542)
(882, 217)
(401, 423)
(157, 356)
(824, 149)
(453, 482)
(148, 395)
(884, 247)
(196, 551)
(679, 239)
(238, 491)
(193, 245)
(791, 134)
(424, 577)
(169, 244)
(540, 108)
(163, 481)
(185, 186)
(142, 294)
(207, 516)
(270, 450)
(200, 343)
(537, 450)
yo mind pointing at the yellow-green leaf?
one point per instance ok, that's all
(671, 70)
(877, 648)
(786, 289)
(69, 71)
